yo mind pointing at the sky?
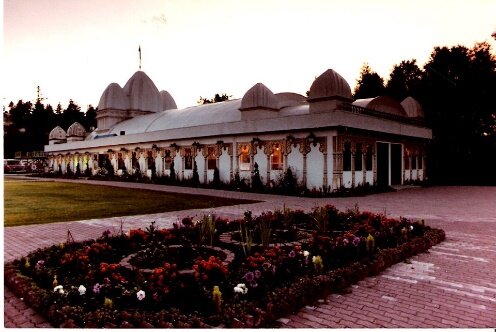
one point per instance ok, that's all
(73, 49)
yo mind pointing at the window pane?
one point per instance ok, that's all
(211, 163)
(358, 157)
(347, 157)
(368, 159)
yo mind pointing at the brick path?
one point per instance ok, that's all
(451, 286)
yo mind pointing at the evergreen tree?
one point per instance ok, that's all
(256, 181)
(369, 85)
(196, 177)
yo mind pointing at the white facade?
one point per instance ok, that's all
(328, 140)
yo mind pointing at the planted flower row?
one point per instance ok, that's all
(189, 283)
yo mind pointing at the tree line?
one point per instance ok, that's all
(27, 125)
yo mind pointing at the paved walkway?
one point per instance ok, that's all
(454, 285)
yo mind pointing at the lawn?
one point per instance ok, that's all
(28, 203)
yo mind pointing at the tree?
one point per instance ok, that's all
(216, 99)
(90, 118)
(370, 84)
(455, 92)
(404, 80)
(196, 177)
(72, 114)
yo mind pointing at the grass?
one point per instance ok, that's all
(27, 203)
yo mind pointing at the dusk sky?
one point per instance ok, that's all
(76, 48)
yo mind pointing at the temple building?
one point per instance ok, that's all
(328, 139)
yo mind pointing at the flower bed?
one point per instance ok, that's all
(94, 283)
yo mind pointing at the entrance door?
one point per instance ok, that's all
(382, 164)
(396, 164)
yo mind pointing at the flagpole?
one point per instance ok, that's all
(139, 51)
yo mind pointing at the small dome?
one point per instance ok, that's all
(143, 94)
(57, 133)
(76, 129)
(330, 85)
(382, 104)
(168, 103)
(287, 99)
(113, 98)
(259, 96)
(412, 108)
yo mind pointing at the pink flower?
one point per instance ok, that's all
(140, 295)
(249, 276)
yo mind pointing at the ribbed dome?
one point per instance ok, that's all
(168, 103)
(382, 104)
(113, 98)
(412, 108)
(143, 94)
(329, 85)
(57, 133)
(76, 129)
(259, 96)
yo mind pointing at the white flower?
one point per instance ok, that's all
(140, 295)
(59, 289)
(306, 253)
(82, 290)
(241, 288)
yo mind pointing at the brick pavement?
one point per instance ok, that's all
(451, 286)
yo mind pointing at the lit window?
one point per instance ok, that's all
(276, 158)
(167, 159)
(244, 158)
(347, 156)
(212, 159)
(358, 157)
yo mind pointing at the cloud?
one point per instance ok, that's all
(158, 19)
(161, 19)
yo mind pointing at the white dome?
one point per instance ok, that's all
(330, 85)
(113, 98)
(143, 94)
(382, 104)
(168, 103)
(412, 108)
(57, 133)
(259, 96)
(76, 129)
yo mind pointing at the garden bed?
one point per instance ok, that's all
(97, 283)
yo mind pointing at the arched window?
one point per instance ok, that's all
(120, 161)
(368, 158)
(347, 156)
(211, 159)
(276, 163)
(188, 158)
(244, 158)
(150, 160)
(358, 157)
(167, 159)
